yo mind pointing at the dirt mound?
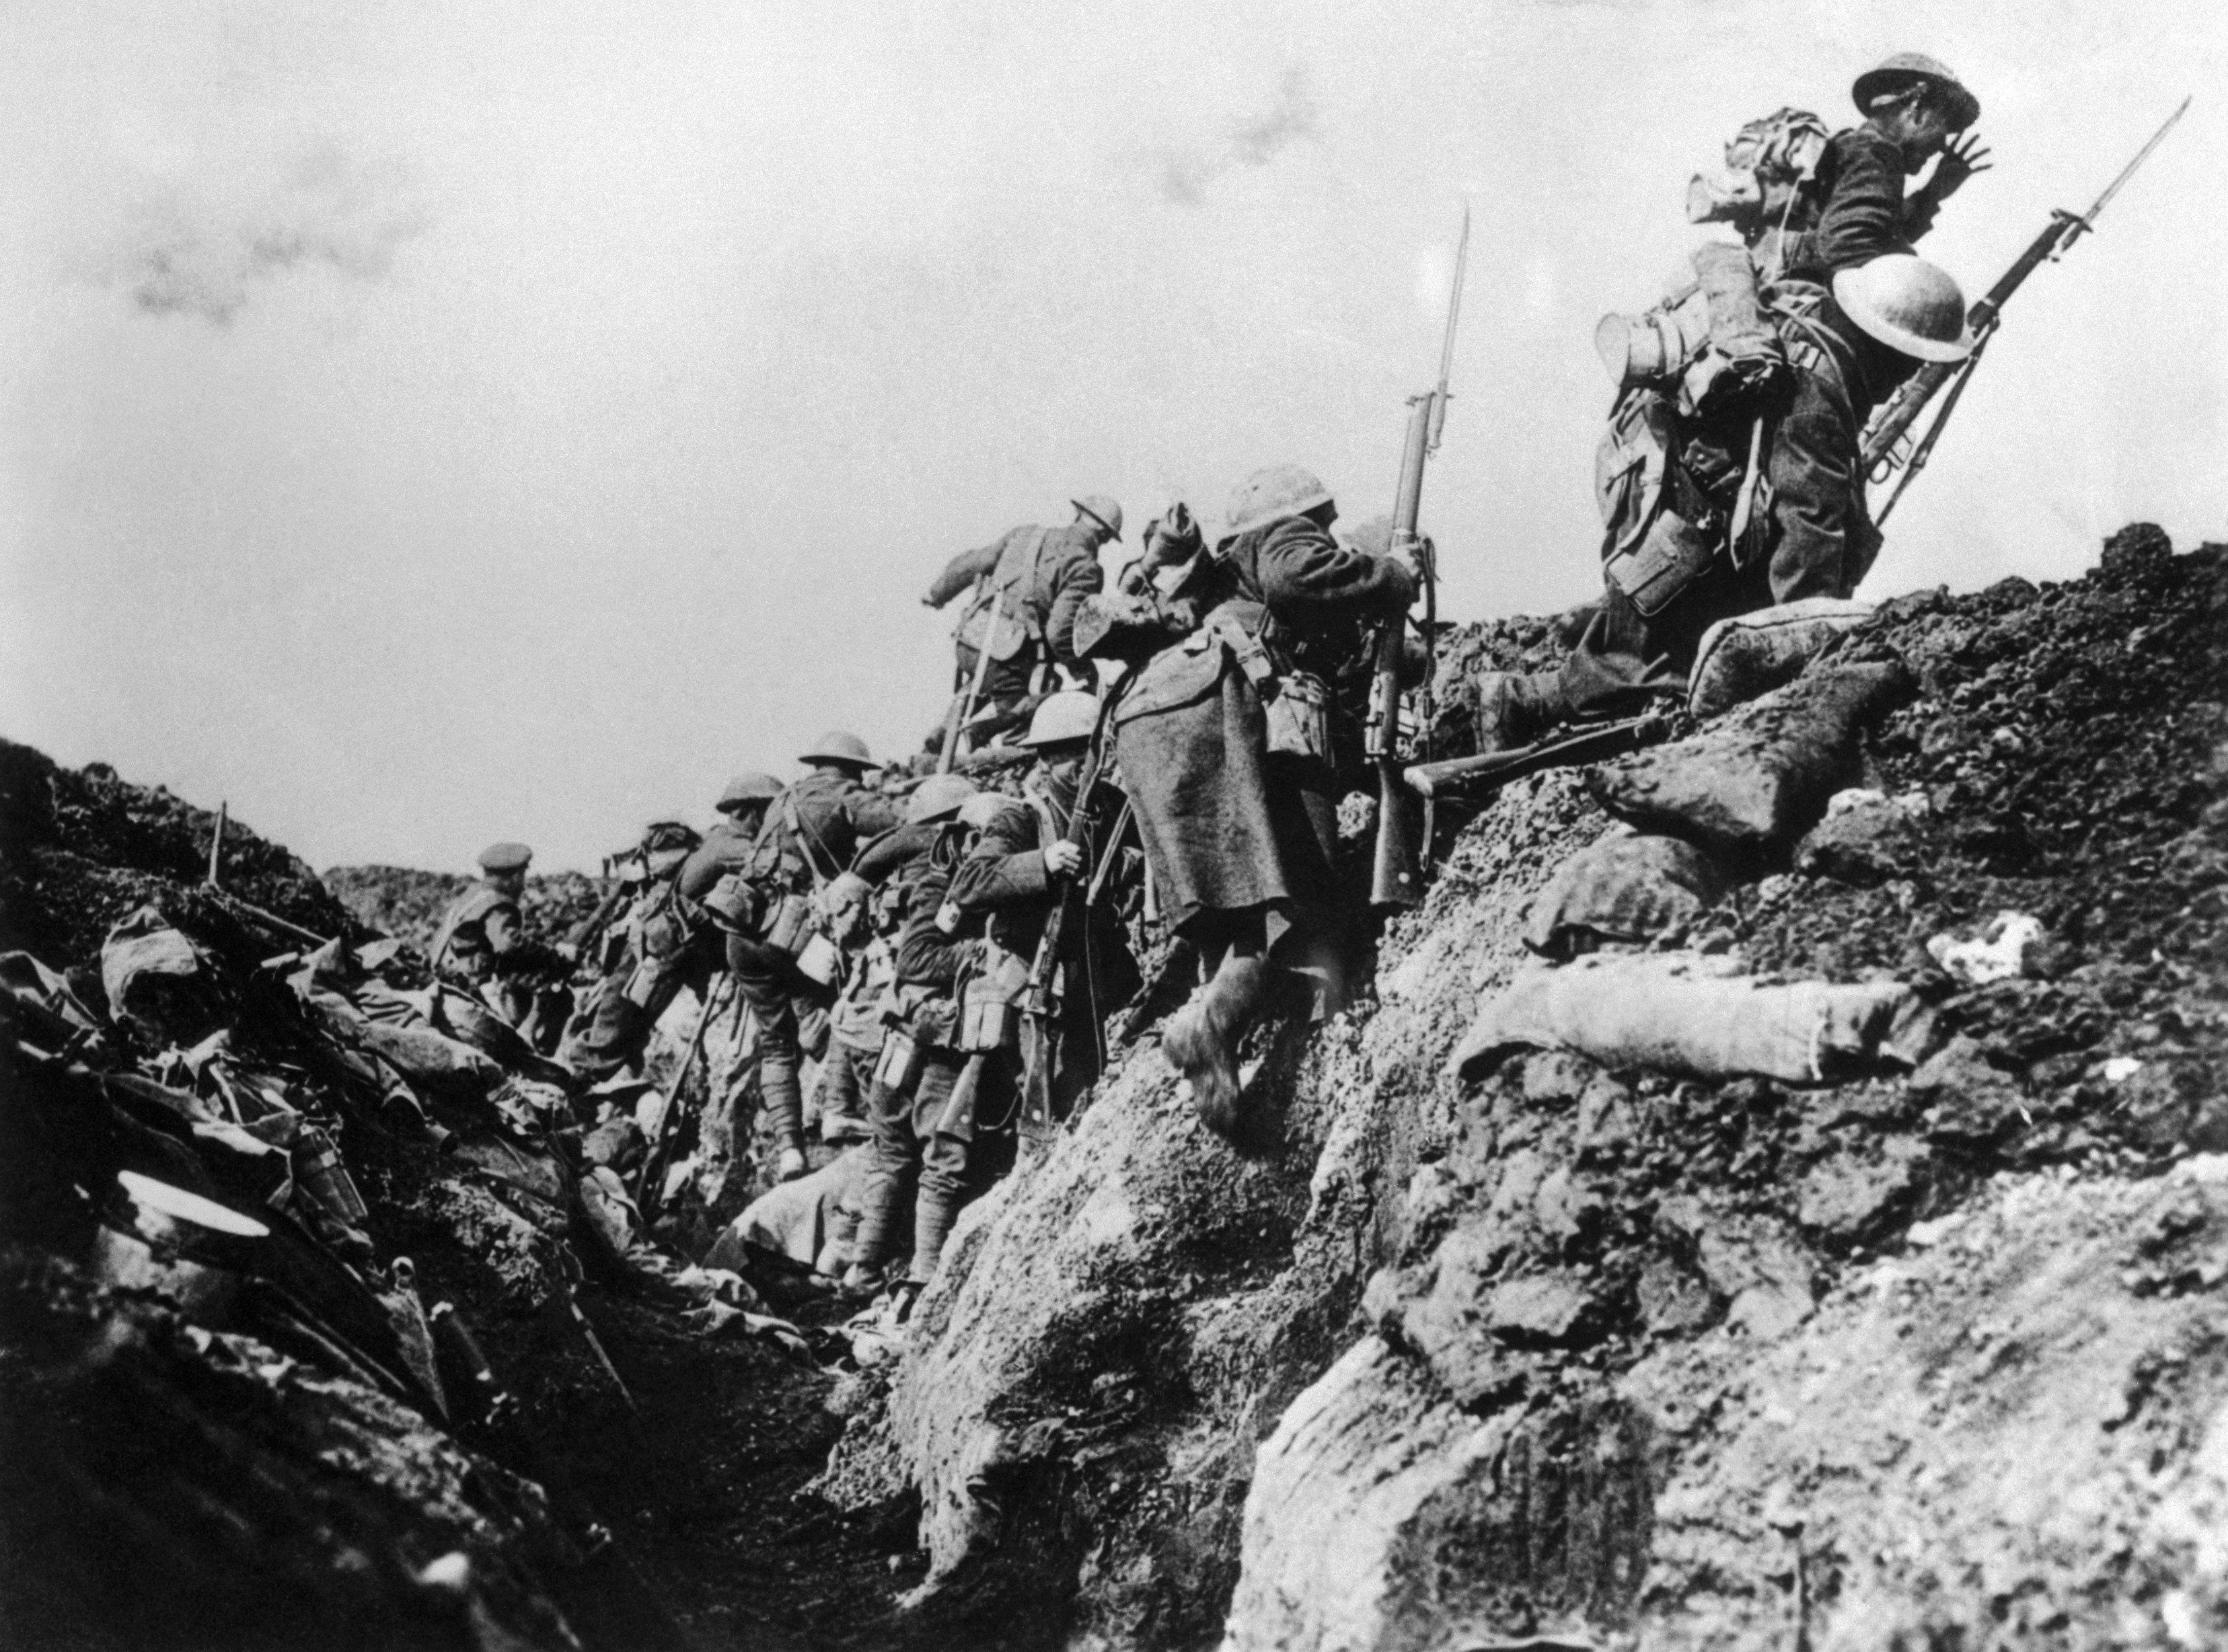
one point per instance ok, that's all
(82, 848)
(1647, 1360)
(408, 905)
(1917, 1360)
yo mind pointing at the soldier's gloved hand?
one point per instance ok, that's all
(567, 951)
(1064, 858)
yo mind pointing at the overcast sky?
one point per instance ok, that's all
(425, 424)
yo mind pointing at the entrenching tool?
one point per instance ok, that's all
(1396, 878)
(1883, 452)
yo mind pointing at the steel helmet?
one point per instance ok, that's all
(984, 807)
(1891, 75)
(1273, 495)
(1102, 510)
(746, 789)
(938, 797)
(836, 746)
(1070, 714)
(1908, 305)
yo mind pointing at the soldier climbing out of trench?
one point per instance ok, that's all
(1235, 745)
(1807, 204)
(1745, 395)
(1025, 589)
(1722, 505)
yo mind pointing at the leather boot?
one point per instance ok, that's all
(1514, 709)
(1202, 1038)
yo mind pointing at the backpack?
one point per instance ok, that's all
(998, 617)
(1769, 165)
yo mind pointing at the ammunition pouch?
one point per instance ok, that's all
(1672, 554)
(898, 1067)
(821, 960)
(788, 923)
(990, 1005)
(916, 1019)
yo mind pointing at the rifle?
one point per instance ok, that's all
(1464, 777)
(648, 1187)
(1395, 879)
(583, 934)
(964, 707)
(1881, 457)
(1037, 995)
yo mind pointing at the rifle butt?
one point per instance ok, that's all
(1394, 878)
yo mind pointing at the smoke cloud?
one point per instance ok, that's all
(190, 252)
(1187, 173)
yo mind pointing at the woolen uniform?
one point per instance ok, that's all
(1004, 878)
(1051, 570)
(675, 946)
(812, 832)
(942, 1155)
(1233, 830)
(1862, 213)
(1817, 539)
(483, 942)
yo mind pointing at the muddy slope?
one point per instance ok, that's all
(1636, 1360)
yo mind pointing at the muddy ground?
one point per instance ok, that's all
(179, 1478)
(1567, 1355)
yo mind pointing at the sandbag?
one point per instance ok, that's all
(1755, 782)
(1746, 655)
(1692, 1013)
(1627, 886)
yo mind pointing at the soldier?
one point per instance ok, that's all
(1025, 859)
(812, 832)
(1020, 622)
(669, 943)
(864, 928)
(1231, 747)
(924, 1126)
(482, 946)
(1673, 564)
(1914, 109)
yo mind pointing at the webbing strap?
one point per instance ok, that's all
(806, 837)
